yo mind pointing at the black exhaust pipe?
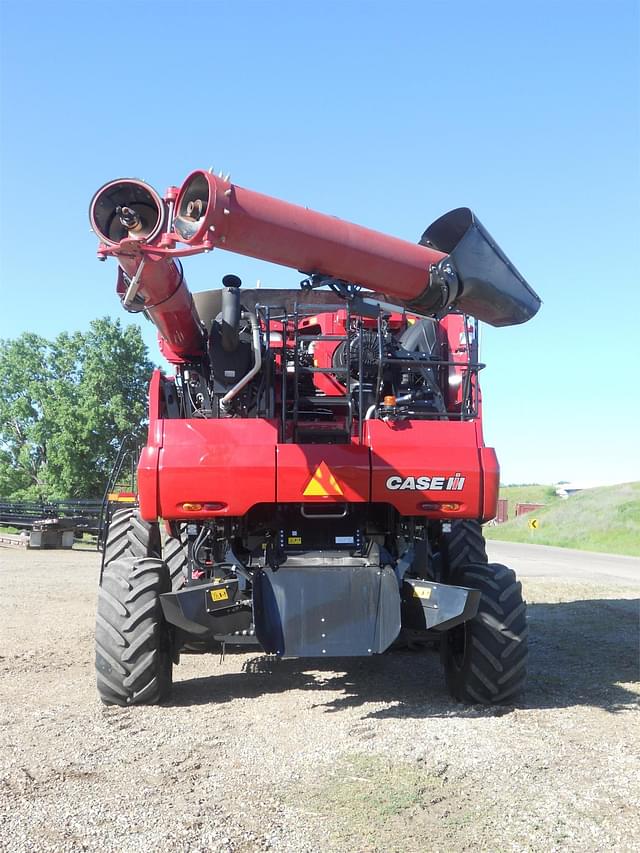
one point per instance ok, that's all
(230, 320)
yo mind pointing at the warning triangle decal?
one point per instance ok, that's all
(323, 483)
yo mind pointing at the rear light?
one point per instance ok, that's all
(190, 506)
(439, 507)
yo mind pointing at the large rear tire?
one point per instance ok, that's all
(463, 545)
(133, 642)
(174, 554)
(485, 658)
(130, 537)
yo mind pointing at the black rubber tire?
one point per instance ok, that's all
(130, 537)
(174, 554)
(485, 659)
(133, 642)
(464, 545)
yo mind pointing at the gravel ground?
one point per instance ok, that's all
(350, 755)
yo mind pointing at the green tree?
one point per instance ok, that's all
(64, 405)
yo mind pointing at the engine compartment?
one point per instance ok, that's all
(324, 367)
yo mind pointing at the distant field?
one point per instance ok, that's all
(605, 519)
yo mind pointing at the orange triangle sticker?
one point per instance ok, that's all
(322, 484)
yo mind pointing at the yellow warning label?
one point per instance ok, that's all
(294, 540)
(323, 483)
(422, 591)
(219, 595)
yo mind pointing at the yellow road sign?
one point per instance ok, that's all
(533, 524)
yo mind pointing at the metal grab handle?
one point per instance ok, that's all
(342, 514)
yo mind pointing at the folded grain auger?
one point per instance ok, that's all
(315, 474)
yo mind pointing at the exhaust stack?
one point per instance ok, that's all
(230, 319)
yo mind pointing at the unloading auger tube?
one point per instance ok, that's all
(456, 264)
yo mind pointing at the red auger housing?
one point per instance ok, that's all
(318, 458)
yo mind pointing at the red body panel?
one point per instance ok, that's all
(148, 462)
(435, 469)
(148, 483)
(433, 449)
(297, 465)
(229, 461)
(491, 486)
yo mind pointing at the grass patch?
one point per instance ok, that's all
(368, 801)
(605, 520)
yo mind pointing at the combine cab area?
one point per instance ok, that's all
(315, 474)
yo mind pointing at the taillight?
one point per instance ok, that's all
(439, 507)
(193, 506)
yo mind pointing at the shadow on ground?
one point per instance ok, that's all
(581, 653)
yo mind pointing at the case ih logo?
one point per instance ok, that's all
(454, 483)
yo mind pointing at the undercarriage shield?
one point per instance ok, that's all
(326, 610)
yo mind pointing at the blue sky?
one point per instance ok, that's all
(385, 114)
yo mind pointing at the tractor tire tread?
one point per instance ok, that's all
(493, 665)
(129, 535)
(174, 553)
(133, 658)
(465, 544)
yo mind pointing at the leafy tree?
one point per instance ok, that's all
(64, 405)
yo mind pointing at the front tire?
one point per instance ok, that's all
(485, 658)
(133, 642)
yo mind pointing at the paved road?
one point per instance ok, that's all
(544, 561)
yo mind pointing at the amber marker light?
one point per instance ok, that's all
(193, 506)
(450, 507)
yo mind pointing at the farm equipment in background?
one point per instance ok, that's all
(49, 524)
(315, 474)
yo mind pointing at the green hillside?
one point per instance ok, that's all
(605, 519)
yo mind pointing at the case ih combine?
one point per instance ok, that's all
(315, 473)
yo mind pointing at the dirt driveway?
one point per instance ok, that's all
(349, 755)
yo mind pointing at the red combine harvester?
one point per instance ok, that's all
(317, 461)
